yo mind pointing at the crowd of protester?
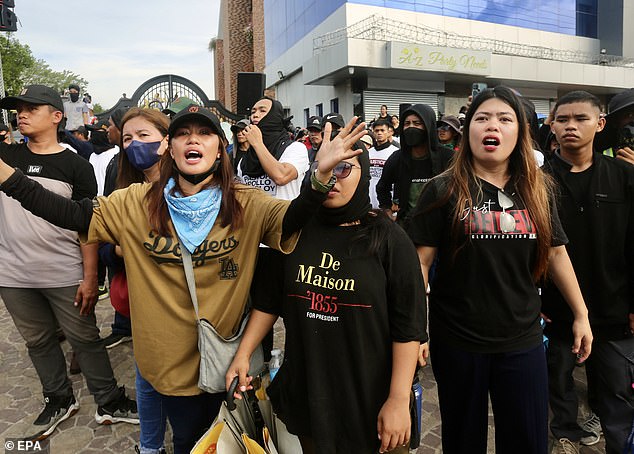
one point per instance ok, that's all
(514, 237)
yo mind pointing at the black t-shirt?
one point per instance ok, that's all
(579, 185)
(421, 174)
(342, 310)
(64, 167)
(483, 299)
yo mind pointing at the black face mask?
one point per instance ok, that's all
(199, 177)
(413, 137)
(626, 136)
(74, 97)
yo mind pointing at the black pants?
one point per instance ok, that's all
(518, 385)
(610, 374)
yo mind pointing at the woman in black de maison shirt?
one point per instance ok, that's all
(491, 222)
(354, 310)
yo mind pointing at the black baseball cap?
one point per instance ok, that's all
(621, 101)
(334, 118)
(34, 94)
(314, 122)
(195, 112)
(239, 126)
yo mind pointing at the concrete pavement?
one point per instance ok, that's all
(21, 399)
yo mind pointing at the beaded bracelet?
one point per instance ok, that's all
(321, 187)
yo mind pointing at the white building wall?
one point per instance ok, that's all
(528, 72)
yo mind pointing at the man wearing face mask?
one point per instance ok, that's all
(617, 139)
(419, 160)
(75, 110)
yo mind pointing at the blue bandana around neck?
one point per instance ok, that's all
(193, 216)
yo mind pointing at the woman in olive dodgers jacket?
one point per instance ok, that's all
(420, 158)
(219, 221)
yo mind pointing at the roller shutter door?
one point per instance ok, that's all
(372, 101)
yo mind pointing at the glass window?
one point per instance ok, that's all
(334, 105)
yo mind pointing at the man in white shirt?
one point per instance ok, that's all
(378, 155)
(75, 110)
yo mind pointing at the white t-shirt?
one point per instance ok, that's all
(295, 154)
(377, 161)
(73, 111)
(100, 164)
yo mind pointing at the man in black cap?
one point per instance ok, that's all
(47, 277)
(75, 110)
(240, 144)
(336, 120)
(617, 139)
(314, 135)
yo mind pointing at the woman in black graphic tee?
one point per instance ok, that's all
(490, 220)
(354, 310)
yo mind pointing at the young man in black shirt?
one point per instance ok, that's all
(596, 208)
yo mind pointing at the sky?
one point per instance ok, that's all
(116, 45)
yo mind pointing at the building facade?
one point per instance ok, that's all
(352, 56)
(239, 46)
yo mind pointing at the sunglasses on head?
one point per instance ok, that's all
(507, 221)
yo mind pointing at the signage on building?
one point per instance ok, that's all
(444, 59)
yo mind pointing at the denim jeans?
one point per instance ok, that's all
(36, 313)
(189, 416)
(121, 325)
(151, 415)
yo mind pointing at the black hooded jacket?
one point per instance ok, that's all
(397, 176)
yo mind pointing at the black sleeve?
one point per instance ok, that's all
(559, 237)
(386, 182)
(301, 210)
(427, 224)
(84, 181)
(405, 289)
(629, 253)
(111, 175)
(56, 209)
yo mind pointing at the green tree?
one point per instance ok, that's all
(17, 63)
(21, 68)
(97, 108)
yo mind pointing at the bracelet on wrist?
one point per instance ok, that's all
(319, 186)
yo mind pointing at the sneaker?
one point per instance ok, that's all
(565, 446)
(116, 339)
(121, 410)
(56, 410)
(103, 292)
(138, 450)
(592, 425)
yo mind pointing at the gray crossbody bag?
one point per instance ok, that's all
(216, 352)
